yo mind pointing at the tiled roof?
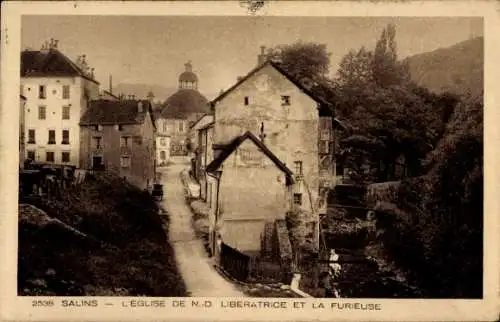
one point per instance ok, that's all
(236, 142)
(107, 112)
(185, 102)
(49, 63)
(276, 66)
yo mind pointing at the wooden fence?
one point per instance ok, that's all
(235, 263)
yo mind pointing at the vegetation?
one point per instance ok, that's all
(439, 219)
(131, 257)
(433, 228)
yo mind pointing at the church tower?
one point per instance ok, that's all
(188, 79)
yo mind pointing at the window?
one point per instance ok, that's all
(41, 92)
(138, 140)
(31, 136)
(125, 162)
(52, 137)
(246, 100)
(49, 156)
(97, 162)
(298, 168)
(120, 127)
(124, 141)
(297, 199)
(181, 126)
(324, 147)
(42, 112)
(65, 92)
(165, 127)
(65, 137)
(285, 100)
(65, 157)
(163, 142)
(163, 155)
(31, 155)
(66, 112)
(96, 140)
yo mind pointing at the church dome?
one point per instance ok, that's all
(185, 102)
(188, 77)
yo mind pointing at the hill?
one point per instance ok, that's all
(457, 69)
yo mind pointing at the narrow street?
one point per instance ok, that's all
(196, 268)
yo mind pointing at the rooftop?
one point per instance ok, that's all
(108, 112)
(228, 149)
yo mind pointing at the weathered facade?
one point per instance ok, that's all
(57, 92)
(296, 127)
(119, 137)
(251, 187)
(268, 103)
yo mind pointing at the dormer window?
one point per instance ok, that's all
(246, 100)
(285, 100)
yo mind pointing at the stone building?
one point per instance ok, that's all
(251, 187)
(203, 157)
(57, 92)
(119, 137)
(181, 110)
(290, 122)
(22, 144)
(162, 149)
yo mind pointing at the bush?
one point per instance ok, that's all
(134, 256)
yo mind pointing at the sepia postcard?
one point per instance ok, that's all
(249, 160)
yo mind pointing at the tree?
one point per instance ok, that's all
(446, 233)
(391, 116)
(386, 68)
(306, 62)
(355, 69)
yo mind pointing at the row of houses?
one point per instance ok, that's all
(66, 118)
(265, 148)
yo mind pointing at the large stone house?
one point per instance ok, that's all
(57, 91)
(295, 126)
(119, 137)
(251, 187)
(180, 111)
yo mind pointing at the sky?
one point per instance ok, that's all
(153, 50)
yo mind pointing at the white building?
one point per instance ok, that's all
(57, 92)
(162, 149)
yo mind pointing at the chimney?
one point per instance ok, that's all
(262, 56)
(140, 107)
(45, 47)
